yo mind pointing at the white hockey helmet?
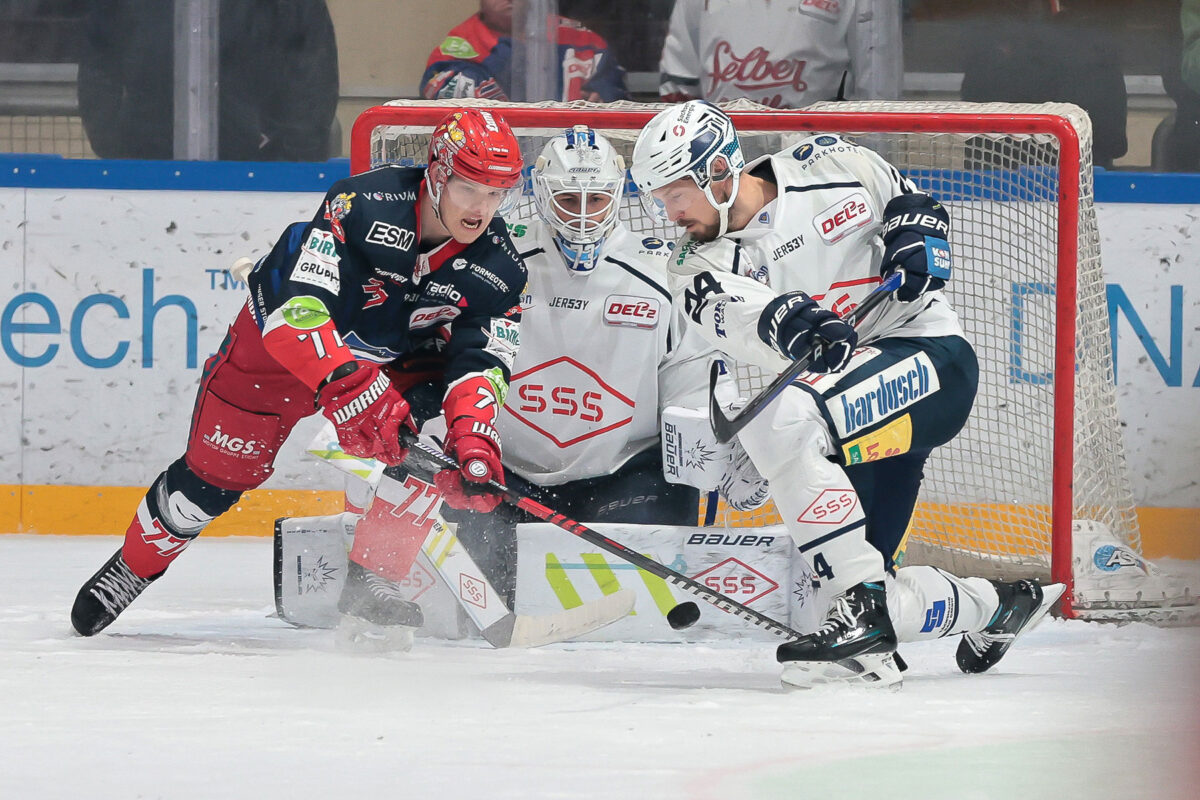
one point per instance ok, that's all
(693, 140)
(577, 163)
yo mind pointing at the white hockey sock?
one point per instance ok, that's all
(929, 603)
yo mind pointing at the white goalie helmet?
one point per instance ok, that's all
(573, 166)
(693, 140)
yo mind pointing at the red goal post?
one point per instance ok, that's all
(1042, 453)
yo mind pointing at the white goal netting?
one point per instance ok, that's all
(1043, 446)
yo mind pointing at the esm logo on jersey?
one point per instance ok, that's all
(632, 311)
(843, 218)
(390, 235)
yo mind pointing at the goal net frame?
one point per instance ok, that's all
(1068, 131)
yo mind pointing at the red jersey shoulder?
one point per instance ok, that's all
(470, 40)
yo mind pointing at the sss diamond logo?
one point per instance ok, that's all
(472, 590)
(567, 402)
(832, 507)
(738, 580)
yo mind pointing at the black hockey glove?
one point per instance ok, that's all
(915, 232)
(794, 324)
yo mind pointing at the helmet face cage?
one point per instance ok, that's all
(688, 140)
(477, 146)
(572, 166)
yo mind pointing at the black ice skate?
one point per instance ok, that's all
(106, 594)
(856, 643)
(375, 615)
(1022, 605)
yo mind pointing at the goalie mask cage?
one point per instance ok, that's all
(1043, 448)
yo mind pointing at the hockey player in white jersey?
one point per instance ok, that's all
(600, 355)
(773, 251)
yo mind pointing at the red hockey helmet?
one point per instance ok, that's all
(476, 145)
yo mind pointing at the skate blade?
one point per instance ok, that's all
(356, 635)
(876, 671)
(1050, 595)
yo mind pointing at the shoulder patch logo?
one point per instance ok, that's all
(458, 47)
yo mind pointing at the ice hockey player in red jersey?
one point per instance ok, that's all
(394, 259)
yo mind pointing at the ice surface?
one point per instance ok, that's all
(197, 692)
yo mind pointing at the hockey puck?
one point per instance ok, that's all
(683, 615)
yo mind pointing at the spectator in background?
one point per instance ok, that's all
(1177, 141)
(475, 60)
(1054, 53)
(278, 74)
(1189, 21)
(785, 55)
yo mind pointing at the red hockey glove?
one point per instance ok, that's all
(367, 411)
(470, 408)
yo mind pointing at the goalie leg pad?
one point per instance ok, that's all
(310, 568)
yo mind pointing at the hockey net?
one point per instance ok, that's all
(1042, 453)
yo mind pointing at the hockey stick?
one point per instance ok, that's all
(449, 560)
(725, 428)
(681, 616)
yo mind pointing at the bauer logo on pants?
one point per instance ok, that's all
(882, 395)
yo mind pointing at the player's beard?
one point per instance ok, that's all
(703, 234)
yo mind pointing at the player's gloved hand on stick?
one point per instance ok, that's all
(476, 447)
(794, 325)
(470, 409)
(915, 230)
(367, 411)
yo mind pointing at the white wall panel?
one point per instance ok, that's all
(122, 272)
(12, 283)
(1151, 256)
(86, 255)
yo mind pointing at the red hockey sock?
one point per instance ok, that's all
(150, 547)
(389, 536)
